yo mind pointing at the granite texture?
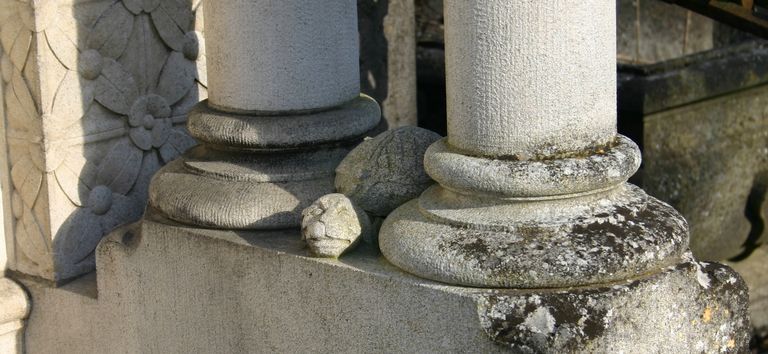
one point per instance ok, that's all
(312, 61)
(285, 301)
(512, 74)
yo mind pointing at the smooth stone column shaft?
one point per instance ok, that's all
(286, 55)
(529, 78)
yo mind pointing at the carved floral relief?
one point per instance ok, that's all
(96, 94)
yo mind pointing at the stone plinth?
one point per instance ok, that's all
(182, 289)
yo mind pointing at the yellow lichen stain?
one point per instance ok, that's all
(707, 316)
(731, 344)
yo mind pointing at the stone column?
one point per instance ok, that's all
(284, 108)
(532, 177)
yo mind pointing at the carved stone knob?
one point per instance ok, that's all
(333, 225)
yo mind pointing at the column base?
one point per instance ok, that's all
(244, 191)
(260, 170)
(475, 241)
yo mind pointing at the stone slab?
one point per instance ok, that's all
(709, 160)
(177, 289)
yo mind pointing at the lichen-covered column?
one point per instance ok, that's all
(284, 108)
(532, 187)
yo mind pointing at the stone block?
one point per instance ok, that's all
(709, 160)
(285, 301)
(180, 289)
(96, 95)
(651, 31)
(14, 309)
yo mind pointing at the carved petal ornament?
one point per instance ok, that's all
(96, 95)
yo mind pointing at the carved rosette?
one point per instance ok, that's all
(96, 96)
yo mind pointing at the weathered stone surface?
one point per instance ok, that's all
(382, 173)
(274, 165)
(310, 61)
(519, 178)
(476, 241)
(96, 95)
(276, 303)
(697, 78)
(520, 84)
(271, 137)
(708, 160)
(651, 31)
(348, 121)
(691, 308)
(14, 309)
(753, 270)
(333, 225)
(243, 191)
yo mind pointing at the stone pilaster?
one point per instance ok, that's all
(532, 189)
(96, 94)
(284, 108)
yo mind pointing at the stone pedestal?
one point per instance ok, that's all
(284, 108)
(182, 289)
(532, 178)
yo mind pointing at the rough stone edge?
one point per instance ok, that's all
(532, 178)
(603, 319)
(283, 130)
(15, 307)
